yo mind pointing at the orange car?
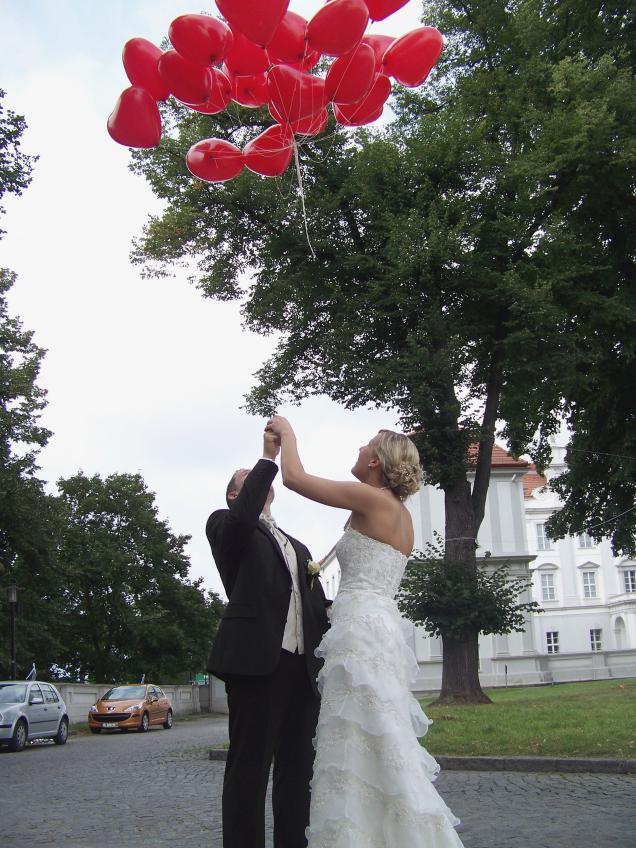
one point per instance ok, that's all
(134, 707)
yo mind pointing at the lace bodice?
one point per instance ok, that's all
(369, 565)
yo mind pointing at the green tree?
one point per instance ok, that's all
(27, 514)
(599, 487)
(128, 605)
(15, 166)
(436, 594)
(464, 256)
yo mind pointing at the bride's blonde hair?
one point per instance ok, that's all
(400, 463)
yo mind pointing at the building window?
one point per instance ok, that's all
(552, 641)
(548, 590)
(595, 640)
(544, 542)
(629, 580)
(586, 541)
(589, 584)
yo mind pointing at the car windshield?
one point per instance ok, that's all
(125, 693)
(12, 693)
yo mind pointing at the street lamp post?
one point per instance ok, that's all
(12, 598)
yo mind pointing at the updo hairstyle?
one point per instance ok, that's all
(400, 463)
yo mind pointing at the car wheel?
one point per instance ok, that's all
(19, 738)
(62, 733)
(95, 729)
(168, 722)
(145, 723)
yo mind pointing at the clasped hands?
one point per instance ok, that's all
(279, 426)
(274, 429)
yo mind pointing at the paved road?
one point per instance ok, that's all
(160, 789)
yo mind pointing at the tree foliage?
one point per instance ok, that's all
(27, 514)
(15, 166)
(437, 594)
(128, 605)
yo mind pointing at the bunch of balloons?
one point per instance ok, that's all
(264, 55)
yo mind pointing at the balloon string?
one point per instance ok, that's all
(302, 197)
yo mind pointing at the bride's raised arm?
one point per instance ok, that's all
(357, 497)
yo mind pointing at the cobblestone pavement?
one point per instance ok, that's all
(158, 789)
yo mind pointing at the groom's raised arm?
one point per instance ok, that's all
(229, 532)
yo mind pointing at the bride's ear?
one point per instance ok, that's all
(373, 463)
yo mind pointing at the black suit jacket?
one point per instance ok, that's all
(258, 585)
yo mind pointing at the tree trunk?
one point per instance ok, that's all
(460, 671)
(460, 664)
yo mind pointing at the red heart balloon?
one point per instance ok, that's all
(338, 27)
(256, 20)
(380, 44)
(381, 9)
(410, 58)
(350, 77)
(140, 58)
(135, 121)
(219, 95)
(362, 118)
(188, 82)
(294, 94)
(313, 125)
(249, 90)
(246, 58)
(310, 61)
(200, 39)
(276, 115)
(270, 153)
(289, 44)
(214, 160)
(368, 109)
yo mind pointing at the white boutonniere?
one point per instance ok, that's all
(313, 570)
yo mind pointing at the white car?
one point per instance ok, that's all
(29, 710)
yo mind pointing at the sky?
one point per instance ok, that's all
(143, 376)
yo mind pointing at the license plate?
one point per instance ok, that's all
(110, 724)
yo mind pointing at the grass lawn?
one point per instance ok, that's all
(596, 719)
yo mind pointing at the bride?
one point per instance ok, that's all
(372, 780)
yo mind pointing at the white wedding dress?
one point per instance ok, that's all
(372, 782)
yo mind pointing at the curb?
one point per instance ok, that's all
(538, 764)
(526, 764)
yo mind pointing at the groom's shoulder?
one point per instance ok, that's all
(215, 519)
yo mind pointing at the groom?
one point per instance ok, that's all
(264, 651)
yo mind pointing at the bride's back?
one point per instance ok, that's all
(390, 522)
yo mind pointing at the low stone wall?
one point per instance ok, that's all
(533, 669)
(80, 697)
(218, 698)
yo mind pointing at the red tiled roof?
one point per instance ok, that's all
(532, 481)
(500, 458)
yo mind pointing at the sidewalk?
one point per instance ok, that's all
(160, 789)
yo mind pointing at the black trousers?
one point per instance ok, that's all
(270, 717)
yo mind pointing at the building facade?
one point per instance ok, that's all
(588, 628)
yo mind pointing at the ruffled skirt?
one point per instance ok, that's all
(372, 783)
